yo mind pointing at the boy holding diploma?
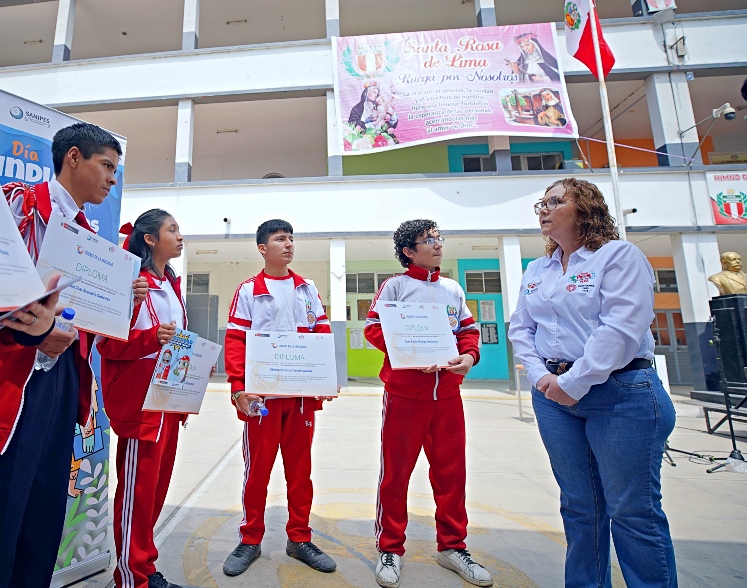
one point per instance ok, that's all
(423, 408)
(38, 409)
(276, 299)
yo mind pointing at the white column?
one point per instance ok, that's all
(485, 11)
(334, 157)
(671, 112)
(332, 8)
(185, 123)
(509, 258)
(337, 303)
(696, 257)
(191, 25)
(63, 31)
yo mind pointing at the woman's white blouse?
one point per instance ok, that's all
(597, 314)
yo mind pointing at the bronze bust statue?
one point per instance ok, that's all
(732, 280)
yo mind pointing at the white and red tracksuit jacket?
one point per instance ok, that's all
(420, 285)
(127, 366)
(31, 207)
(253, 309)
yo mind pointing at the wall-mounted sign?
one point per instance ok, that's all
(487, 310)
(489, 332)
(728, 194)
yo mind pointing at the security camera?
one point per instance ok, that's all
(227, 220)
(726, 111)
(630, 210)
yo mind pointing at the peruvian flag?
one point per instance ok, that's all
(578, 37)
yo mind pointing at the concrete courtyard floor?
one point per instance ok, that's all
(512, 499)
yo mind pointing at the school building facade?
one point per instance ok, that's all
(228, 107)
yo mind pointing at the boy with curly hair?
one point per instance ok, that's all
(423, 408)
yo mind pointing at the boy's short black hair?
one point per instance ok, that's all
(406, 235)
(270, 227)
(88, 138)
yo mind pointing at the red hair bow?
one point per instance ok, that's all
(126, 229)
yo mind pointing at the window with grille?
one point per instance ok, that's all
(198, 283)
(666, 280)
(483, 282)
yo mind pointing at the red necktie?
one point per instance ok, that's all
(80, 218)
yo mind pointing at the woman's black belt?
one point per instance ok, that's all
(558, 367)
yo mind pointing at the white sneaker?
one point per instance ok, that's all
(387, 570)
(459, 561)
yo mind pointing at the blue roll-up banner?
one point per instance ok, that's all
(26, 132)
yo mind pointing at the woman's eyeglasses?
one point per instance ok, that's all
(431, 241)
(550, 204)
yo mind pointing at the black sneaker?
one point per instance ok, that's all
(311, 555)
(156, 580)
(240, 559)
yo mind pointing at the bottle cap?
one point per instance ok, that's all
(264, 411)
(68, 314)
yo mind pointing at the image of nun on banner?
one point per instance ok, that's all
(535, 63)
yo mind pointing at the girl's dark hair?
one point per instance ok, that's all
(406, 235)
(596, 226)
(148, 223)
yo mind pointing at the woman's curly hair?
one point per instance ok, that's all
(596, 226)
(406, 235)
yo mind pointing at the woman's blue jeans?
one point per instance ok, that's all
(606, 454)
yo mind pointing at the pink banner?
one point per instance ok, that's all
(407, 89)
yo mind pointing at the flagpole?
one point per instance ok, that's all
(606, 117)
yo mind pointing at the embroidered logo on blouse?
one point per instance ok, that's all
(532, 288)
(582, 278)
(582, 282)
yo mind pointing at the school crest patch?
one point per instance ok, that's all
(453, 322)
(310, 316)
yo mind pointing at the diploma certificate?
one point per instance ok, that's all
(19, 282)
(417, 335)
(188, 398)
(290, 364)
(103, 298)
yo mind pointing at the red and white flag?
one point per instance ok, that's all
(578, 37)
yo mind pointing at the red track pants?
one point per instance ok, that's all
(290, 426)
(144, 472)
(438, 427)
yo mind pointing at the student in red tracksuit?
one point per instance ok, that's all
(276, 299)
(423, 408)
(146, 444)
(39, 408)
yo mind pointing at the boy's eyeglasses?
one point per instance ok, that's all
(431, 241)
(550, 204)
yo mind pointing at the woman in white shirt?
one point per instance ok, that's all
(582, 331)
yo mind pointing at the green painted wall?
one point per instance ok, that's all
(421, 159)
(456, 152)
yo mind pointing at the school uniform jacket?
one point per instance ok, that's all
(127, 366)
(420, 285)
(253, 309)
(31, 207)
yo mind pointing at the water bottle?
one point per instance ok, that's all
(258, 408)
(65, 323)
